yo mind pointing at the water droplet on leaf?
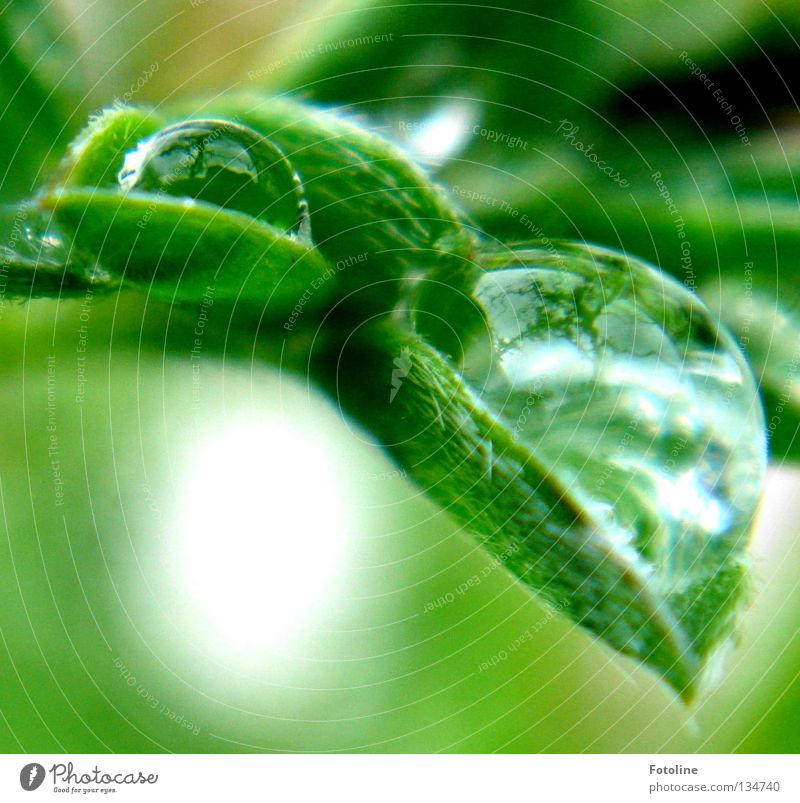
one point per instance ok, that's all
(622, 385)
(221, 163)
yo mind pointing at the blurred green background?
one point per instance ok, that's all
(198, 553)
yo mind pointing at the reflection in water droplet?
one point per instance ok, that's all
(618, 379)
(222, 163)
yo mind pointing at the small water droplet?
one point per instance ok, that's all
(222, 163)
(32, 237)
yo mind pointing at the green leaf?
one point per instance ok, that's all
(177, 248)
(597, 432)
(162, 240)
(42, 85)
(374, 213)
(177, 202)
(94, 159)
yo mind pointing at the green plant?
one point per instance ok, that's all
(579, 411)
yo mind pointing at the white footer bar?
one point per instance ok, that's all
(401, 778)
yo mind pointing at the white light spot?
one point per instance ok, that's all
(687, 499)
(443, 133)
(261, 534)
(556, 361)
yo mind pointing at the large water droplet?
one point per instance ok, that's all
(222, 163)
(621, 384)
